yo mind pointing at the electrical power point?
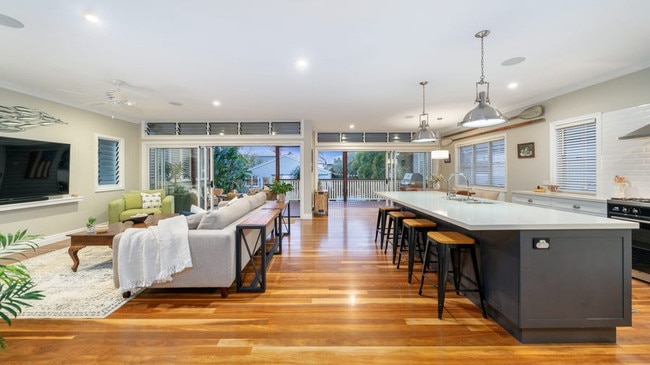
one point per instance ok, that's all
(541, 243)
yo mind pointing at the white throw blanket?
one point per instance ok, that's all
(153, 254)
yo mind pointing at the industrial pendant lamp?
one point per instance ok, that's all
(483, 115)
(424, 133)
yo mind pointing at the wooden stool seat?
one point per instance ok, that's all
(402, 214)
(419, 223)
(449, 247)
(381, 221)
(396, 217)
(412, 228)
(450, 238)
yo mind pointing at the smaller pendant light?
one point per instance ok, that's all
(483, 115)
(424, 133)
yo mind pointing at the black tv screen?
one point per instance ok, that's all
(32, 170)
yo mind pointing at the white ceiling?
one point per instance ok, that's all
(366, 57)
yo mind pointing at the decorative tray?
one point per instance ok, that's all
(137, 218)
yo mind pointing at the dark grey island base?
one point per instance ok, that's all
(577, 290)
(559, 277)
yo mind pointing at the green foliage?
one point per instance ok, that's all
(280, 187)
(368, 165)
(231, 168)
(16, 285)
(91, 220)
(175, 172)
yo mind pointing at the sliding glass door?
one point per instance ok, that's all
(193, 174)
(356, 175)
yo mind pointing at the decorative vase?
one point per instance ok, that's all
(436, 186)
(619, 190)
(281, 197)
(90, 229)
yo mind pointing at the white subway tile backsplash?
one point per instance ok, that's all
(629, 158)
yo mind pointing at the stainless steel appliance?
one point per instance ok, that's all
(635, 210)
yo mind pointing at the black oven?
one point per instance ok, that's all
(635, 210)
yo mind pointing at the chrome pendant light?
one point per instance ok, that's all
(424, 133)
(483, 115)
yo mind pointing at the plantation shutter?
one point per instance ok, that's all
(484, 163)
(108, 162)
(576, 157)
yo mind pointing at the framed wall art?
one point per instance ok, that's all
(526, 150)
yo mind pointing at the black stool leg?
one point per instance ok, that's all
(390, 225)
(443, 268)
(425, 264)
(382, 215)
(472, 251)
(378, 222)
(405, 236)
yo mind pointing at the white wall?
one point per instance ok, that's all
(80, 134)
(624, 92)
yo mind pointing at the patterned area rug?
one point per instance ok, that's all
(87, 293)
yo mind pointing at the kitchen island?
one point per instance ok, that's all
(548, 275)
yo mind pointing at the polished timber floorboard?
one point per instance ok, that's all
(333, 298)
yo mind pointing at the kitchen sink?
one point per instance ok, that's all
(479, 202)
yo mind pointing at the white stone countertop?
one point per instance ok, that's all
(498, 215)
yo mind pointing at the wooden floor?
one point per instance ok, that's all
(333, 298)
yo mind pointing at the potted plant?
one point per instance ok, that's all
(436, 180)
(90, 224)
(182, 199)
(280, 188)
(16, 285)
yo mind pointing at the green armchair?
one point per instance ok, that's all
(131, 203)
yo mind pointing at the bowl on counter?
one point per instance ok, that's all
(101, 228)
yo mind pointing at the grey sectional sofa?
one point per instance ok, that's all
(212, 246)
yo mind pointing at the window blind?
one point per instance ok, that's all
(575, 157)
(484, 163)
(108, 152)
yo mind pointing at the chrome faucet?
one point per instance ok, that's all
(451, 176)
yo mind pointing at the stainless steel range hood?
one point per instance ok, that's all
(643, 132)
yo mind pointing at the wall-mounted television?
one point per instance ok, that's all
(32, 170)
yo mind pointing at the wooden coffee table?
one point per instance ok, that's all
(82, 239)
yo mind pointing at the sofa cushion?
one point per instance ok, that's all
(218, 219)
(151, 200)
(257, 200)
(152, 191)
(193, 220)
(132, 200)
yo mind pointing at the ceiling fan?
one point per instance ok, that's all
(114, 96)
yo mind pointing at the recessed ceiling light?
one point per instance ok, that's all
(91, 18)
(302, 64)
(513, 85)
(351, 126)
(409, 117)
(176, 103)
(10, 22)
(513, 61)
(216, 103)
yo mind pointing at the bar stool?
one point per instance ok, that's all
(413, 228)
(397, 218)
(448, 244)
(381, 221)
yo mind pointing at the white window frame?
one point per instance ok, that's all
(495, 137)
(571, 122)
(121, 154)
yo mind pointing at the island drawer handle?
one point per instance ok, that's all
(576, 206)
